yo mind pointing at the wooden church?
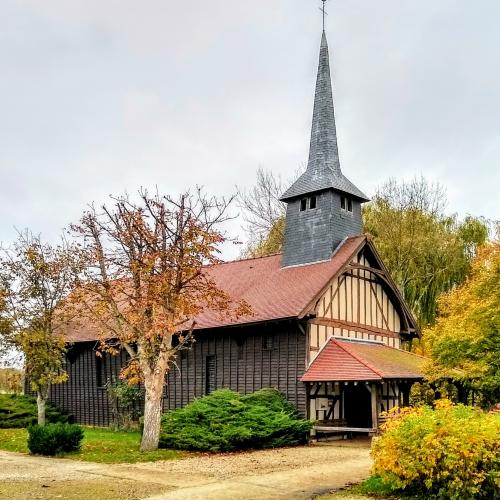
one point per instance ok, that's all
(329, 327)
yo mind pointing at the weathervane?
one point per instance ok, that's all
(325, 13)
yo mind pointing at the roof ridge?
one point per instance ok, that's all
(347, 238)
(244, 259)
(357, 357)
(409, 352)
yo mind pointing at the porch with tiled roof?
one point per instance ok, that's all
(357, 380)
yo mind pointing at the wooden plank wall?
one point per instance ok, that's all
(242, 364)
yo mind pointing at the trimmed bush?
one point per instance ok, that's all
(228, 421)
(54, 439)
(17, 411)
(452, 452)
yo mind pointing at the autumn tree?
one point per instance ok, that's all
(10, 380)
(5, 324)
(36, 278)
(148, 277)
(426, 251)
(465, 341)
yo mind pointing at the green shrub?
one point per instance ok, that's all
(17, 411)
(227, 421)
(452, 452)
(53, 439)
(125, 404)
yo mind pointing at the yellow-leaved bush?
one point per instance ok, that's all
(452, 452)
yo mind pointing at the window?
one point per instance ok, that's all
(100, 370)
(346, 204)
(210, 374)
(71, 355)
(241, 349)
(268, 342)
(308, 203)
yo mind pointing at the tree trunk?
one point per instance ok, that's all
(41, 401)
(152, 412)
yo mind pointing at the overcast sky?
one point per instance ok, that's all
(103, 96)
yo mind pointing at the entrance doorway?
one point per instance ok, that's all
(357, 406)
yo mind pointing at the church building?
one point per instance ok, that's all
(329, 327)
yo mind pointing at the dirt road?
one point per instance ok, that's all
(292, 473)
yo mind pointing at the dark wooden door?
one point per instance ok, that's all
(210, 374)
(357, 406)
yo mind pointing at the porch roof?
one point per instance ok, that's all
(355, 360)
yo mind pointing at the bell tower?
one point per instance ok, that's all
(323, 206)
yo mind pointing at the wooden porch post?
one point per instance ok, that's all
(374, 398)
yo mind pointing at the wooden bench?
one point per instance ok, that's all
(338, 427)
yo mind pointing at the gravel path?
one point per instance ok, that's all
(283, 473)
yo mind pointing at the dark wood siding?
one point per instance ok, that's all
(242, 363)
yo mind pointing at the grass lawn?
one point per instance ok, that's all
(99, 445)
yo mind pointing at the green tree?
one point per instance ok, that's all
(465, 341)
(36, 278)
(426, 251)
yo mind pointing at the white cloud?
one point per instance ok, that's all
(98, 97)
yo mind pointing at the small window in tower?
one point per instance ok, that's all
(343, 202)
(349, 205)
(312, 202)
(303, 204)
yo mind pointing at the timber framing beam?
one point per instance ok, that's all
(349, 325)
(382, 274)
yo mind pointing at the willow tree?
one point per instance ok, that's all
(36, 279)
(426, 251)
(146, 280)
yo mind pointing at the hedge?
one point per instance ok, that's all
(53, 439)
(18, 411)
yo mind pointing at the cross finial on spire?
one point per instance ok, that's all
(322, 9)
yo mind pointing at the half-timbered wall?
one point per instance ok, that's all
(355, 305)
(390, 395)
(325, 401)
(243, 359)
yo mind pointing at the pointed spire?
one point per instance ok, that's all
(323, 167)
(323, 150)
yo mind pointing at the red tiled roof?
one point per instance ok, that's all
(350, 360)
(274, 292)
(271, 291)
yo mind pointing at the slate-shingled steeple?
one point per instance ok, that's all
(323, 206)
